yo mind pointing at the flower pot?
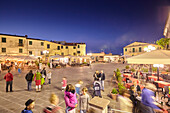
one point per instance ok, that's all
(114, 96)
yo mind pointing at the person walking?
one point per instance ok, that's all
(83, 101)
(37, 76)
(64, 83)
(49, 77)
(53, 108)
(43, 73)
(29, 106)
(29, 77)
(9, 79)
(70, 99)
(102, 75)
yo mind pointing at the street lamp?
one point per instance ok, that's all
(158, 65)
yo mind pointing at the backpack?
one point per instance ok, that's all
(28, 77)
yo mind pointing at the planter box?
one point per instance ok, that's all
(58, 67)
(114, 96)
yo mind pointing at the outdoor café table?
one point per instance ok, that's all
(162, 84)
(132, 79)
(128, 85)
(155, 78)
(126, 75)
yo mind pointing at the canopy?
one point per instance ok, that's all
(153, 57)
(56, 56)
(8, 57)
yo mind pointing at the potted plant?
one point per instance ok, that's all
(154, 69)
(114, 94)
(132, 69)
(127, 67)
(58, 67)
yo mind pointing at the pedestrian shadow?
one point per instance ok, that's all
(59, 88)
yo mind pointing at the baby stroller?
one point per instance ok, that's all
(97, 89)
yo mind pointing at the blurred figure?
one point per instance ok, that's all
(102, 79)
(124, 101)
(97, 76)
(53, 108)
(9, 78)
(83, 101)
(29, 77)
(64, 83)
(29, 106)
(97, 89)
(148, 105)
(78, 87)
(43, 73)
(37, 76)
(49, 77)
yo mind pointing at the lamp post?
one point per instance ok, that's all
(158, 65)
(45, 52)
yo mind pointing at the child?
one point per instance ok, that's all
(70, 98)
(49, 77)
(29, 106)
(78, 86)
(37, 76)
(64, 83)
(83, 101)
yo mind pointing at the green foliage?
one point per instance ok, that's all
(163, 42)
(154, 69)
(132, 69)
(114, 91)
(121, 87)
(118, 75)
(127, 67)
(36, 62)
(144, 70)
(84, 62)
(48, 64)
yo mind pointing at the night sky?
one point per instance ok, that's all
(104, 25)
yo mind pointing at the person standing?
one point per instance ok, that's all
(43, 73)
(29, 77)
(9, 78)
(49, 77)
(83, 101)
(102, 79)
(64, 83)
(37, 76)
(96, 76)
(29, 106)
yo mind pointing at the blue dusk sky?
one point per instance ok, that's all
(104, 25)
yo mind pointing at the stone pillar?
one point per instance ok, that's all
(99, 105)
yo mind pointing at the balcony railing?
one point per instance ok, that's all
(20, 44)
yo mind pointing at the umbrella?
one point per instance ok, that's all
(153, 57)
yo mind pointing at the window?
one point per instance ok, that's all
(30, 52)
(58, 48)
(66, 47)
(30, 42)
(4, 50)
(62, 54)
(20, 50)
(125, 49)
(78, 52)
(48, 46)
(78, 46)
(74, 53)
(42, 43)
(20, 42)
(140, 49)
(4, 40)
(133, 49)
(41, 53)
(74, 47)
(61, 47)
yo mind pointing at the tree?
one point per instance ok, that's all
(163, 42)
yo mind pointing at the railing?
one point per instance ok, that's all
(20, 44)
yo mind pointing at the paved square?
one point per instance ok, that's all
(15, 102)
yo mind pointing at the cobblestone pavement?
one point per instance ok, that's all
(13, 102)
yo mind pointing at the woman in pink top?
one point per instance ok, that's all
(70, 99)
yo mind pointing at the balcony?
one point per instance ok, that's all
(21, 44)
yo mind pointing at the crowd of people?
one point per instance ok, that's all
(76, 97)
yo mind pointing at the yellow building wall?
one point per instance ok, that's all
(82, 49)
(36, 47)
(135, 45)
(12, 45)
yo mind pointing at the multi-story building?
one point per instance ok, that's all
(22, 45)
(137, 48)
